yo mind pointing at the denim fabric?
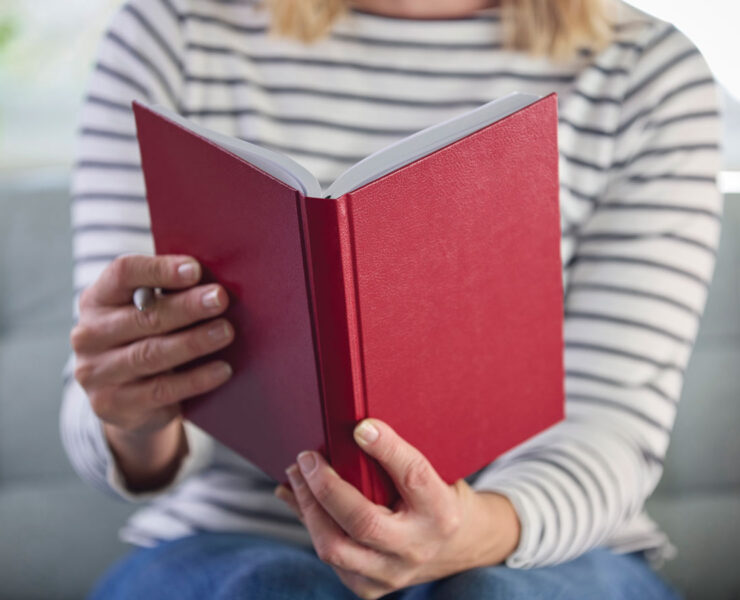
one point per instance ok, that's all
(231, 566)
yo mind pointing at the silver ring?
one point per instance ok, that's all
(143, 298)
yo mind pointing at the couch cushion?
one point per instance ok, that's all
(35, 260)
(31, 392)
(705, 445)
(57, 538)
(35, 319)
(58, 535)
(705, 528)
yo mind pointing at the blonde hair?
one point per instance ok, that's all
(556, 28)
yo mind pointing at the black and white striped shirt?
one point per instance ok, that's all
(640, 207)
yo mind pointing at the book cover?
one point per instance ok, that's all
(430, 297)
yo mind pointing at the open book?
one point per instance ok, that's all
(422, 287)
(379, 163)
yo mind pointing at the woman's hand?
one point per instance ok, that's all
(124, 358)
(433, 531)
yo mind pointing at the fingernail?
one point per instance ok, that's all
(366, 432)
(210, 299)
(293, 476)
(223, 370)
(281, 491)
(219, 331)
(187, 271)
(307, 462)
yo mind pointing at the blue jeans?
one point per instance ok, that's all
(231, 566)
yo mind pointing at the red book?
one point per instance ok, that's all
(423, 288)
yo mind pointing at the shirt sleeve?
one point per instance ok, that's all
(138, 58)
(635, 291)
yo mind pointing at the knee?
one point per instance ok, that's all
(498, 583)
(484, 583)
(280, 574)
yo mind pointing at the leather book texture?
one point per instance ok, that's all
(430, 298)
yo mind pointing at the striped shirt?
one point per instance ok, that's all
(640, 207)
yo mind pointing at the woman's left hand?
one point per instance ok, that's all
(434, 530)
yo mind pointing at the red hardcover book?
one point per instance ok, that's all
(429, 296)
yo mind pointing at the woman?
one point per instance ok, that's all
(560, 516)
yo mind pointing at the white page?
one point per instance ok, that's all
(280, 166)
(425, 142)
(377, 164)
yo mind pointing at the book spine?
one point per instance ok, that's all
(327, 240)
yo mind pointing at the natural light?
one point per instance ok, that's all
(46, 48)
(712, 25)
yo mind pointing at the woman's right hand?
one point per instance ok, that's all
(124, 357)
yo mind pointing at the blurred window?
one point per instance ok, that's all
(46, 48)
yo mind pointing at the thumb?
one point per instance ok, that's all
(414, 476)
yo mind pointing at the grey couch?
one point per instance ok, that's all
(57, 535)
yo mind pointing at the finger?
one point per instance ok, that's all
(332, 545)
(118, 281)
(364, 521)
(156, 354)
(287, 496)
(364, 587)
(120, 325)
(169, 388)
(415, 478)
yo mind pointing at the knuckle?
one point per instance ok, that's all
(79, 337)
(390, 453)
(86, 297)
(417, 474)
(83, 372)
(143, 354)
(329, 552)
(101, 401)
(118, 270)
(334, 557)
(323, 491)
(366, 527)
(418, 555)
(310, 508)
(396, 581)
(148, 320)
(361, 587)
(158, 268)
(449, 522)
(195, 342)
(198, 380)
(160, 391)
